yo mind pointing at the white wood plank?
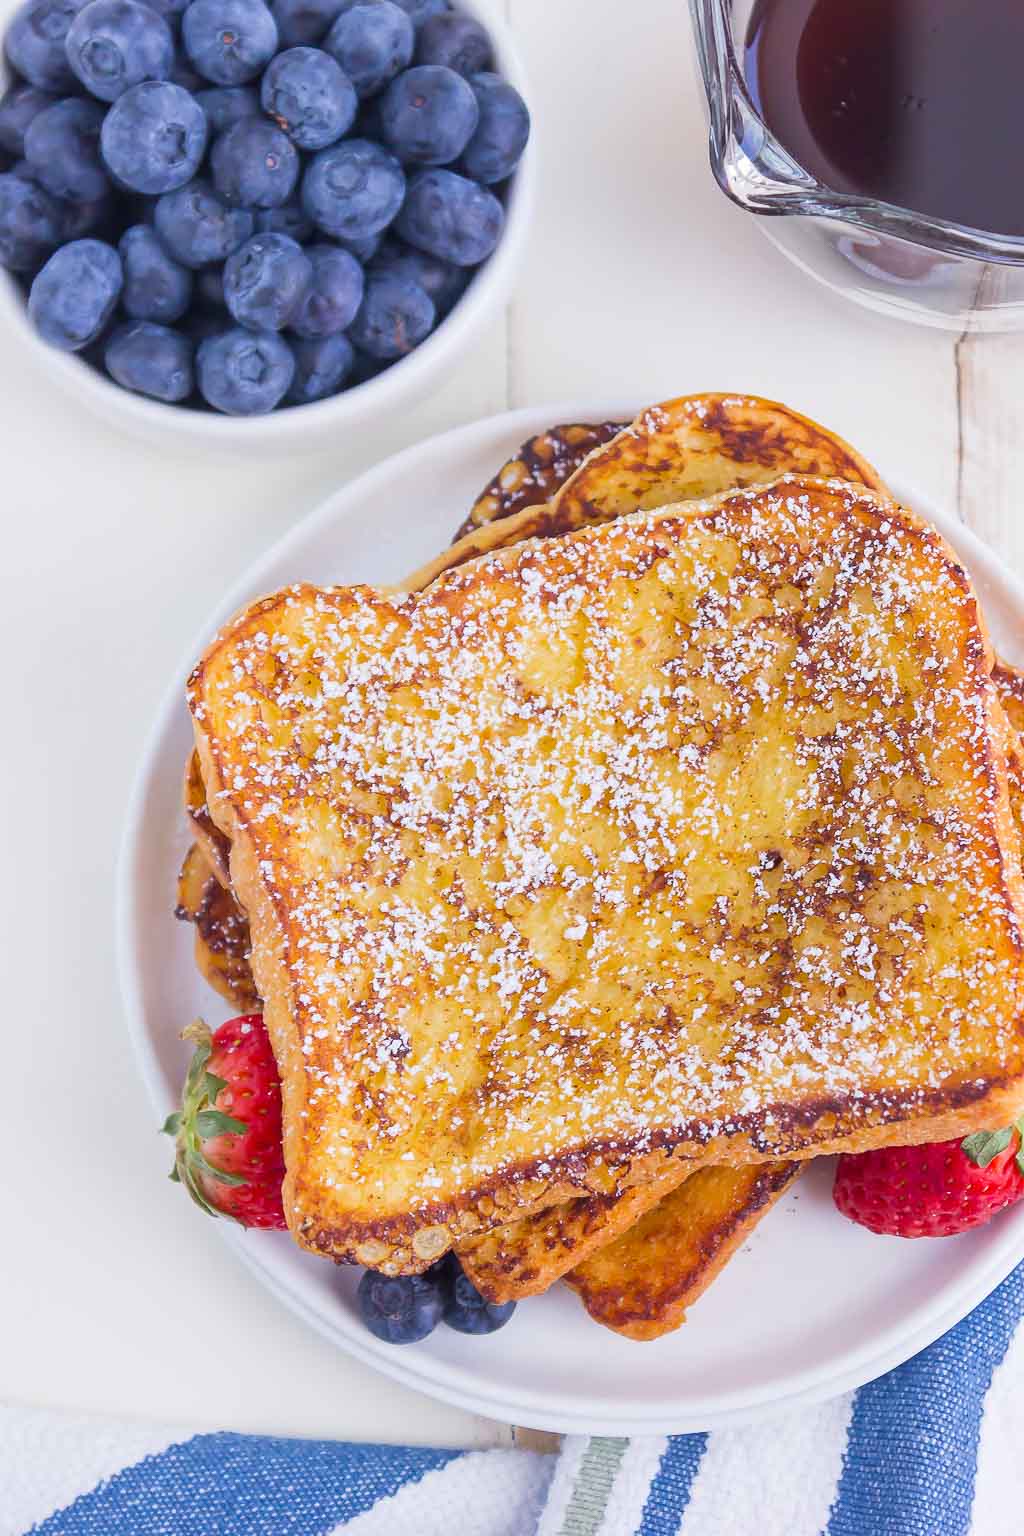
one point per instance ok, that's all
(642, 279)
(114, 556)
(991, 471)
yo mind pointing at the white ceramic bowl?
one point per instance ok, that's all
(297, 427)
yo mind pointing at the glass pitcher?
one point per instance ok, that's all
(888, 258)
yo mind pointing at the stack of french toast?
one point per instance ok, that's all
(656, 838)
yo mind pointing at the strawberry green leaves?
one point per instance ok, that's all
(983, 1146)
(231, 1167)
(198, 1120)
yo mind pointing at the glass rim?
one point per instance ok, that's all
(741, 143)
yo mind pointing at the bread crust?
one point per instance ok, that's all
(642, 1284)
(390, 1234)
(681, 450)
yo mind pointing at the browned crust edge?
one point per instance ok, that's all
(644, 1313)
(832, 1124)
(561, 514)
(511, 1264)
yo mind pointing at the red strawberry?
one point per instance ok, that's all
(227, 1134)
(935, 1190)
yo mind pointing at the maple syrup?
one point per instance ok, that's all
(913, 102)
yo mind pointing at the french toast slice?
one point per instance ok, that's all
(682, 450)
(642, 1282)
(729, 872)
(209, 839)
(525, 1257)
(539, 468)
(687, 448)
(221, 944)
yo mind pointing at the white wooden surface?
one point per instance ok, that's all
(640, 279)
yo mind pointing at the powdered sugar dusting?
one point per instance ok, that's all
(644, 830)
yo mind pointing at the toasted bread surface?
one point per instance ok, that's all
(696, 445)
(682, 450)
(210, 840)
(537, 470)
(685, 835)
(525, 1257)
(642, 1283)
(221, 931)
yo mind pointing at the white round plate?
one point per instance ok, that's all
(811, 1307)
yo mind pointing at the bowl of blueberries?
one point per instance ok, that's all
(292, 210)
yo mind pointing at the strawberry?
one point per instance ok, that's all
(227, 1134)
(935, 1190)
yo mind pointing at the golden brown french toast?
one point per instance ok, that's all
(695, 446)
(684, 835)
(702, 444)
(526, 1257)
(209, 838)
(682, 450)
(539, 468)
(642, 1283)
(221, 945)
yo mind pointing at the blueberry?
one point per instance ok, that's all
(151, 360)
(442, 282)
(457, 41)
(245, 373)
(254, 164)
(469, 1312)
(497, 146)
(171, 10)
(154, 137)
(451, 218)
(266, 281)
(304, 23)
(74, 295)
(290, 219)
(400, 1309)
(156, 287)
(322, 365)
(229, 41)
(30, 223)
(308, 96)
(429, 114)
(210, 289)
(226, 105)
(335, 293)
(62, 146)
(353, 190)
(198, 227)
(112, 44)
(394, 317)
(78, 219)
(20, 105)
(35, 42)
(371, 42)
(418, 11)
(363, 250)
(184, 75)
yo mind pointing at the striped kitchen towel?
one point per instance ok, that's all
(935, 1448)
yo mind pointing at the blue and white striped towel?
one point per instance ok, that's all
(935, 1448)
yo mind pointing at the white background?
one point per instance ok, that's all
(640, 279)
